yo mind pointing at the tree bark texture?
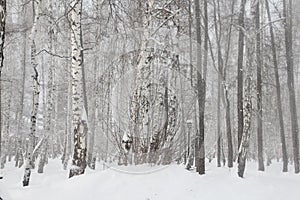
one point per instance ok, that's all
(79, 114)
(29, 164)
(247, 109)
(287, 20)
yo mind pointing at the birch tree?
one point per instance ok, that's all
(2, 38)
(137, 110)
(79, 114)
(247, 108)
(35, 98)
(241, 23)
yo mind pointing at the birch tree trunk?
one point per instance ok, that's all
(287, 20)
(137, 110)
(35, 100)
(247, 108)
(278, 92)
(2, 38)
(79, 114)
(241, 23)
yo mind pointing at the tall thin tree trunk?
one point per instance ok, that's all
(50, 100)
(250, 52)
(288, 24)
(240, 71)
(35, 103)
(2, 39)
(278, 92)
(220, 80)
(79, 113)
(201, 91)
(227, 102)
(260, 149)
(190, 154)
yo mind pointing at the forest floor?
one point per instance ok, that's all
(151, 183)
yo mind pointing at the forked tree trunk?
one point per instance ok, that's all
(138, 112)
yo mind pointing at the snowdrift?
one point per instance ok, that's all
(151, 183)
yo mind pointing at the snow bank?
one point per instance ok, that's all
(151, 183)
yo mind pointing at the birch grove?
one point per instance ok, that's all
(111, 84)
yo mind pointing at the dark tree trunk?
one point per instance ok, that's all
(278, 92)
(227, 102)
(201, 90)
(228, 131)
(240, 72)
(287, 20)
(220, 74)
(261, 166)
(2, 38)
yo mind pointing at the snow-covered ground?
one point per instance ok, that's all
(151, 183)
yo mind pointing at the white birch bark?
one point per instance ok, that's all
(35, 99)
(139, 105)
(2, 37)
(247, 108)
(79, 113)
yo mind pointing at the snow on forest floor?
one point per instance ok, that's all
(151, 183)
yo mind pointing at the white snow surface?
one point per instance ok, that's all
(151, 183)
